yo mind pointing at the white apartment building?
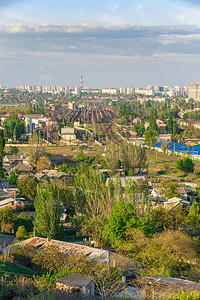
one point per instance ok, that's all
(123, 90)
(130, 90)
(127, 90)
(146, 92)
(76, 91)
(111, 91)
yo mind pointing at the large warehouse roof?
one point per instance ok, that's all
(181, 148)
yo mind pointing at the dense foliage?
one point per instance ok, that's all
(13, 127)
(185, 165)
(48, 210)
(27, 186)
(2, 146)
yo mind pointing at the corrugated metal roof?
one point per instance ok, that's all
(180, 148)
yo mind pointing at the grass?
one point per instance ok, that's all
(65, 150)
(160, 159)
(12, 269)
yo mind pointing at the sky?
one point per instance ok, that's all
(112, 43)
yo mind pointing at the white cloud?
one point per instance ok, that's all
(30, 51)
(123, 40)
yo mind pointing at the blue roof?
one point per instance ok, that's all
(181, 148)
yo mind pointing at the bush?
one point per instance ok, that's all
(27, 186)
(23, 254)
(22, 287)
(185, 165)
(23, 220)
(182, 295)
(21, 233)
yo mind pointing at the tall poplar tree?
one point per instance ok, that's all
(2, 146)
(48, 210)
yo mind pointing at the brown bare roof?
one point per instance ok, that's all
(91, 252)
(168, 285)
(76, 280)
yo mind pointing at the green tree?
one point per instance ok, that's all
(193, 217)
(113, 157)
(64, 168)
(175, 127)
(27, 186)
(165, 146)
(13, 178)
(139, 128)
(13, 150)
(185, 165)
(122, 218)
(150, 137)
(13, 127)
(152, 122)
(131, 157)
(48, 210)
(66, 195)
(7, 216)
(36, 149)
(168, 188)
(2, 146)
(21, 233)
(161, 218)
(23, 220)
(170, 124)
(93, 199)
(43, 163)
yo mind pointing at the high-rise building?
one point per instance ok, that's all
(130, 90)
(194, 90)
(123, 90)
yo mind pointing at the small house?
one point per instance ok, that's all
(173, 202)
(18, 158)
(67, 134)
(77, 284)
(24, 168)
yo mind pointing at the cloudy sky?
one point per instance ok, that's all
(112, 43)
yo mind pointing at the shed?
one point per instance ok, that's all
(77, 283)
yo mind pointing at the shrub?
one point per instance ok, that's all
(23, 254)
(21, 233)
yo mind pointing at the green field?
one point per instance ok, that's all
(65, 150)
(159, 160)
(11, 269)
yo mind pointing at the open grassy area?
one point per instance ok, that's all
(65, 150)
(162, 160)
(12, 269)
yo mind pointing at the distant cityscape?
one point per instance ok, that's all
(191, 91)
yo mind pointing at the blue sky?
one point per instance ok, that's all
(110, 42)
(143, 12)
